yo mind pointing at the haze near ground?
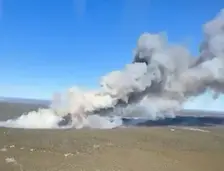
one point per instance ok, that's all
(152, 148)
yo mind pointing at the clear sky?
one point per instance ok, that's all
(49, 45)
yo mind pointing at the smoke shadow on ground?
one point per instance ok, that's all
(201, 121)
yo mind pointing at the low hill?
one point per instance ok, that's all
(14, 107)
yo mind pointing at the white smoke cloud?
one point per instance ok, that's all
(161, 70)
(160, 79)
(156, 63)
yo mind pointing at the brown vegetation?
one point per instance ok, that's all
(133, 149)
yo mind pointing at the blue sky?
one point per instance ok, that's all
(49, 45)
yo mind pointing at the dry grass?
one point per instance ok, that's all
(134, 149)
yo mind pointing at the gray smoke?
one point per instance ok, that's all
(159, 79)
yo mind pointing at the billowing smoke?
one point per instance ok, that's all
(159, 80)
(161, 76)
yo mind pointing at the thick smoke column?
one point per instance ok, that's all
(160, 78)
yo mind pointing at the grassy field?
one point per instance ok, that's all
(133, 149)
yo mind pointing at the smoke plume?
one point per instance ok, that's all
(160, 78)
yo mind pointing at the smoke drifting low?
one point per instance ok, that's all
(160, 78)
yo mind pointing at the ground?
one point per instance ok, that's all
(132, 149)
